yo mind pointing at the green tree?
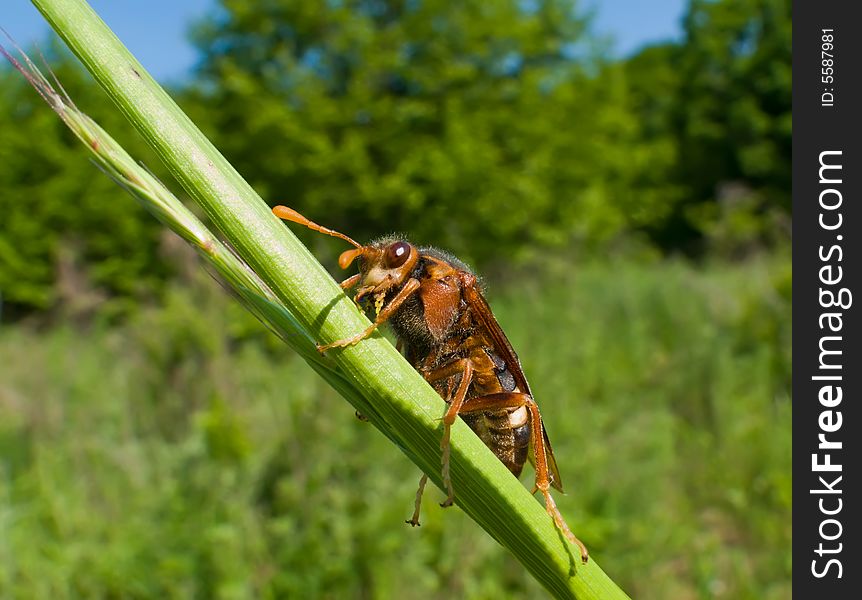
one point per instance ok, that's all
(724, 98)
(493, 129)
(66, 233)
(476, 126)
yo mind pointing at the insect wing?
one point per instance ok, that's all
(502, 347)
(482, 312)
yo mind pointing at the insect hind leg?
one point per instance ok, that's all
(503, 400)
(543, 483)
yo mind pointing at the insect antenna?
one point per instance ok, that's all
(288, 214)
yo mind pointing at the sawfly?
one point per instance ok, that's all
(444, 326)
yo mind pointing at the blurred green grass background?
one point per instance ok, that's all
(187, 455)
(631, 218)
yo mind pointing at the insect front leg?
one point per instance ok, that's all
(408, 290)
(350, 281)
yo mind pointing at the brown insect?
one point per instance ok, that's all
(448, 333)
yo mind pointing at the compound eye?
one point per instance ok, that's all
(397, 254)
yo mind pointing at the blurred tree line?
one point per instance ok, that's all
(498, 130)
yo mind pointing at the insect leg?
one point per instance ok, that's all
(465, 368)
(517, 400)
(408, 290)
(350, 281)
(542, 481)
(448, 421)
(414, 520)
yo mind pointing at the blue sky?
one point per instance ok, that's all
(631, 23)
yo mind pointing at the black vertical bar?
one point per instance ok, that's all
(827, 225)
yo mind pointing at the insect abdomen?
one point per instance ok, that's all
(506, 433)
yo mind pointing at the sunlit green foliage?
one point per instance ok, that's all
(717, 108)
(468, 125)
(494, 129)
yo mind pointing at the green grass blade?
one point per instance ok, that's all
(399, 401)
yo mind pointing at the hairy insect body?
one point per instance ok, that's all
(433, 317)
(447, 331)
(458, 336)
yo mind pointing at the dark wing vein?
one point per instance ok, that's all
(502, 346)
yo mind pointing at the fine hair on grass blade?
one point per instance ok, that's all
(135, 178)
